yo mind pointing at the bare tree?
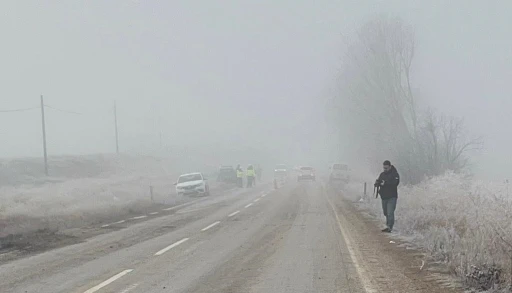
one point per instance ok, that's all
(378, 109)
(444, 144)
(375, 91)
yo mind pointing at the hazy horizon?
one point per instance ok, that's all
(252, 74)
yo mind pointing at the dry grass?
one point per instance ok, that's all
(80, 202)
(83, 191)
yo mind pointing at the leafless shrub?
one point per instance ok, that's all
(484, 278)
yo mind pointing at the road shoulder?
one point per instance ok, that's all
(388, 264)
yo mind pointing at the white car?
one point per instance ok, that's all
(192, 183)
(339, 173)
(281, 167)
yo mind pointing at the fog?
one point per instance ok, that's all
(244, 75)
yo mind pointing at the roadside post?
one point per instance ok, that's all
(364, 194)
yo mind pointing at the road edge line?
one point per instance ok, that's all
(365, 281)
(183, 204)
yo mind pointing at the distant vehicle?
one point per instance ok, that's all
(192, 183)
(227, 174)
(306, 173)
(281, 167)
(339, 172)
(280, 178)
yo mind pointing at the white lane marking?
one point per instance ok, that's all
(107, 282)
(118, 222)
(130, 288)
(363, 274)
(232, 214)
(263, 195)
(210, 226)
(182, 205)
(154, 213)
(184, 211)
(248, 205)
(139, 217)
(256, 200)
(171, 246)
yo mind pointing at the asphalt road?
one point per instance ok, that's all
(300, 238)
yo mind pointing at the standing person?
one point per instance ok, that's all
(251, 174)
(258, 172)
(239, 176)
(387, 185)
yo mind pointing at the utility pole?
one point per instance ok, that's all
(115, 124)
(160, 130)
(44, 138)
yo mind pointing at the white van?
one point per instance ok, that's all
(339, 172)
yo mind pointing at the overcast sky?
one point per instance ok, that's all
(224, 73)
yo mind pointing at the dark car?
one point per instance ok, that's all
(306, 173)
(227, 174)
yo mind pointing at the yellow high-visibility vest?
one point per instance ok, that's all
(239, 173)
(251, 173)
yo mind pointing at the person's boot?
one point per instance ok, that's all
(387, 230)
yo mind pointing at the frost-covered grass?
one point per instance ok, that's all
(82, 191)
(464, 223)
(78, 202)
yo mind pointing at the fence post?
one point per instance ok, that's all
(364, 194)
(151, 192)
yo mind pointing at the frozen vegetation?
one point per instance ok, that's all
(461, 222)
(82, 190)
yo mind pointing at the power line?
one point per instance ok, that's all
(18, 110)
(65, 111)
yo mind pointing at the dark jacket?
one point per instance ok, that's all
(391, 180)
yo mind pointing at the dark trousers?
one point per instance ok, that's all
(240, 181)
(388, 207)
